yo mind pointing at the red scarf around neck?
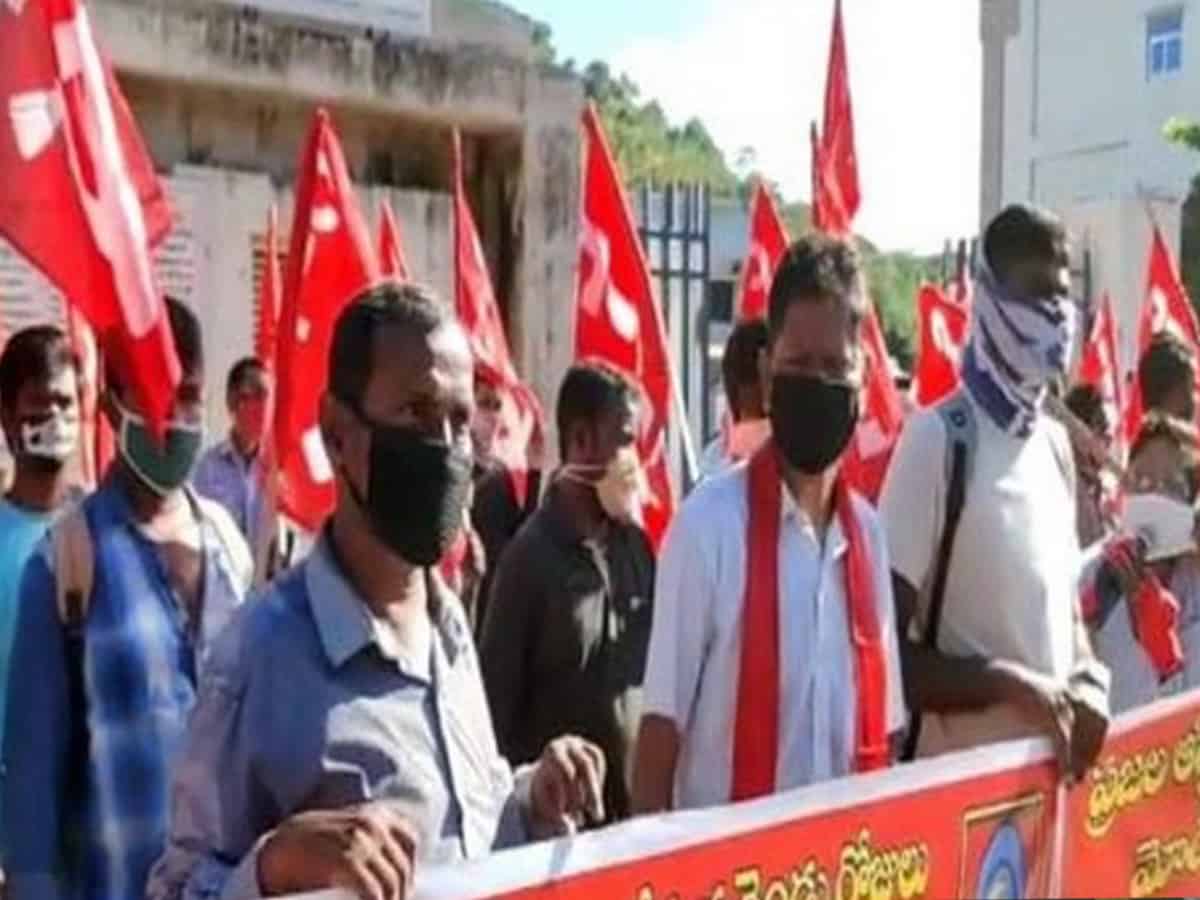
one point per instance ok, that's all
(756, 733)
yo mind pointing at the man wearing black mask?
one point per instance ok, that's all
(753, 683)
(343, 731)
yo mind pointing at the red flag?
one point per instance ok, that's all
(836, 200)
(1165, 308)
(1101, 367)
(89, 205)
(266, 333)
(870, 452)
(330, 260)
(768, 242)
(391, 251)
(817, 212)
(835, 162)
(475, 303)
(83, 348)
(617, 319)
(943, 326)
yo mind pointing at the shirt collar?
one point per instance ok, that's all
(835, 542)
(346, 627)
(228, 449)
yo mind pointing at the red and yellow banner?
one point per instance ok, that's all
(992, 822)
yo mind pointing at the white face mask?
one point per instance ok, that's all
(621, 488)
(53, 439)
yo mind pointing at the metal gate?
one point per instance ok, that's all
(674, 224)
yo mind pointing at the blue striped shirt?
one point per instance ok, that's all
(235, 482)
(86, 822)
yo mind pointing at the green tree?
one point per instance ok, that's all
(1186, 133)
(649, 148)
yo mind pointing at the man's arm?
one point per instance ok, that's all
(683, 589)
(37, 743)
(503, 650)
(212, 839)
(654, 765)
(935, 682)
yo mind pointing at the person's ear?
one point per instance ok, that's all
(336, 429)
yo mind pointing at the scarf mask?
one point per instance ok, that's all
(1016, 348)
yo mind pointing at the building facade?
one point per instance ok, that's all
(224, 92)
(1075, 97)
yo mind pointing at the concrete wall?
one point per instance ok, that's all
(224, 98)
(1072, 122)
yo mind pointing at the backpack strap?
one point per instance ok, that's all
(73, 556)
(230, 538)
(962, 437)
(961, 440)
(74, 567)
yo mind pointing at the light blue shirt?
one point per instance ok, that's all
(20, 531)
(224, 475)
(94, 719)
(311, 704)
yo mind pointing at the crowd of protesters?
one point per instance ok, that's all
(457, 665)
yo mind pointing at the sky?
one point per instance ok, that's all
(754, 72)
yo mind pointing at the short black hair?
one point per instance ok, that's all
(188, 339)
(1020, 232)
(32, 354)
(1162, 425)
(816, 267)
(241, 373)
(1087, 403)
(1181, 434)
(1167, 365)
(414, 308)
(588, 391)
(739, 362)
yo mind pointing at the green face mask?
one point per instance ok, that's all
(162, 468)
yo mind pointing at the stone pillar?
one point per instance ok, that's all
(999, 20)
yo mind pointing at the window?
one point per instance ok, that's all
(1164, 43)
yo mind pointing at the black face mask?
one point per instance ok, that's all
(416, 492)
(812, 420)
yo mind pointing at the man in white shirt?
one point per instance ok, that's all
(1007, 656)
(753, 684)
(747, 426)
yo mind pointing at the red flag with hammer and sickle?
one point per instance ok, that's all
(768, 242)
(616, 317)
(81, 200)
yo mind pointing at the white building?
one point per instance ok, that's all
(1075, 97)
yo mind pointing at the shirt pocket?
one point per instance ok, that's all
(630, 638)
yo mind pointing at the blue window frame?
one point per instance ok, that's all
(1164, 43)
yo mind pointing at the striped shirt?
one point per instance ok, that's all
(90, 738)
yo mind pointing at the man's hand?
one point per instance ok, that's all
(1047, 703)
(1125, 558)
(568, 785)
(367, 850)
(1087, 737)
